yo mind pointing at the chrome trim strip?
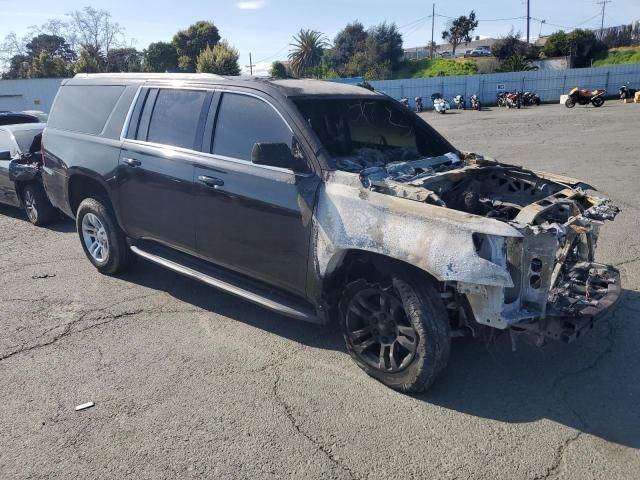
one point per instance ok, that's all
(125, 127)
(227, 287)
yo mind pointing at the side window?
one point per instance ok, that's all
(175, 117)
(244, 121)
(84, 108)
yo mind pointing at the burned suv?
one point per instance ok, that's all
(319, 200)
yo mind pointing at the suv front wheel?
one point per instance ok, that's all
(397, 332)
(102, 240)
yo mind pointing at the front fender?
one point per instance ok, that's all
(435, 239)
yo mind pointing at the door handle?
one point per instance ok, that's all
(132, 162)
(211, 181)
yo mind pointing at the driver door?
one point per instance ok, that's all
(253, 219)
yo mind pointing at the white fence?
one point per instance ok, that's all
(549, 84)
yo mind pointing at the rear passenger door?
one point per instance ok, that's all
(156, 165)
(253, 219)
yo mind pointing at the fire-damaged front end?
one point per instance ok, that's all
(536, 274)
(558, 289)
(512, 249)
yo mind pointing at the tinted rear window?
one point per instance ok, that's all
(84, 109)
(175, 117)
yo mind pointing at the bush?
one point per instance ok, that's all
(438, 67)
(620, 57)
(221, 59)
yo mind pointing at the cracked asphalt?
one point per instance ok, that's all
(190, 383)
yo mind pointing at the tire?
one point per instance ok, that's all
(598, 102)
(37, 206)
(103, 242)
(411, 314)
(569, 103)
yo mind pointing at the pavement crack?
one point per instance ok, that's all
(69, 330)
(555, 470)
(297, 426)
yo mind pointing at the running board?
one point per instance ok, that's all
(252, 294)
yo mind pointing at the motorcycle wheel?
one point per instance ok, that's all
(570, 103)
(598, 102)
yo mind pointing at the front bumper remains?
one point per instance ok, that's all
(579, 300)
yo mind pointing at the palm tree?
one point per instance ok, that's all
(518, 63)
(307, 51)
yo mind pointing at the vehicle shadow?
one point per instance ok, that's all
(558, 382)
(63, 225)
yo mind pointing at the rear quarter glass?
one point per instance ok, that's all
(84, 108)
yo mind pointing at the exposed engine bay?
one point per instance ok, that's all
(552, 265)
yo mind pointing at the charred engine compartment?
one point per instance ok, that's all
(552, 265)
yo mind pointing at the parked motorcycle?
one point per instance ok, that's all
(475, 102)
(513, 100)
(460, 102)
(440, 105)
(585, 97)
(529, 98)
(627, 92)
(501, 99)
(419, 105)
(405, 102)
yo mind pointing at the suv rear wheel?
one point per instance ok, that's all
(102, 240)
(37, 206)
(396, 332)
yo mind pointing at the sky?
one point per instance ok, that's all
(265, 27)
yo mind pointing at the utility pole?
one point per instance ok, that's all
(604, 4)
(528, 19)
(251, 65)
(433, 25)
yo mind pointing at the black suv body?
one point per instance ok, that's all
(317, 199)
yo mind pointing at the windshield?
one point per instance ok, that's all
(353, 129)
(25, 140)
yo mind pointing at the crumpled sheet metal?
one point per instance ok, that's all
(435, 239)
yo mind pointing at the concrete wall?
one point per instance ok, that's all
(549, 84)
(35, 94)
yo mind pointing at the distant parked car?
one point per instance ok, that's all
(481, 52)
(20, 180)
(15, 118)
(446, 54)
(39, 114)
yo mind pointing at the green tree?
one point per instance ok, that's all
(581, 44)
(48, 66)
(557, 45)
(18, 67)
(221, 59)
(459, 30)
(124, 60)
(384, 47)
(160, 57)
(87, 62)
(348, 54)
(306, 56)
(517, 63)
(190, 42)
(53, 45)
(511, 45)
(278, 70)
